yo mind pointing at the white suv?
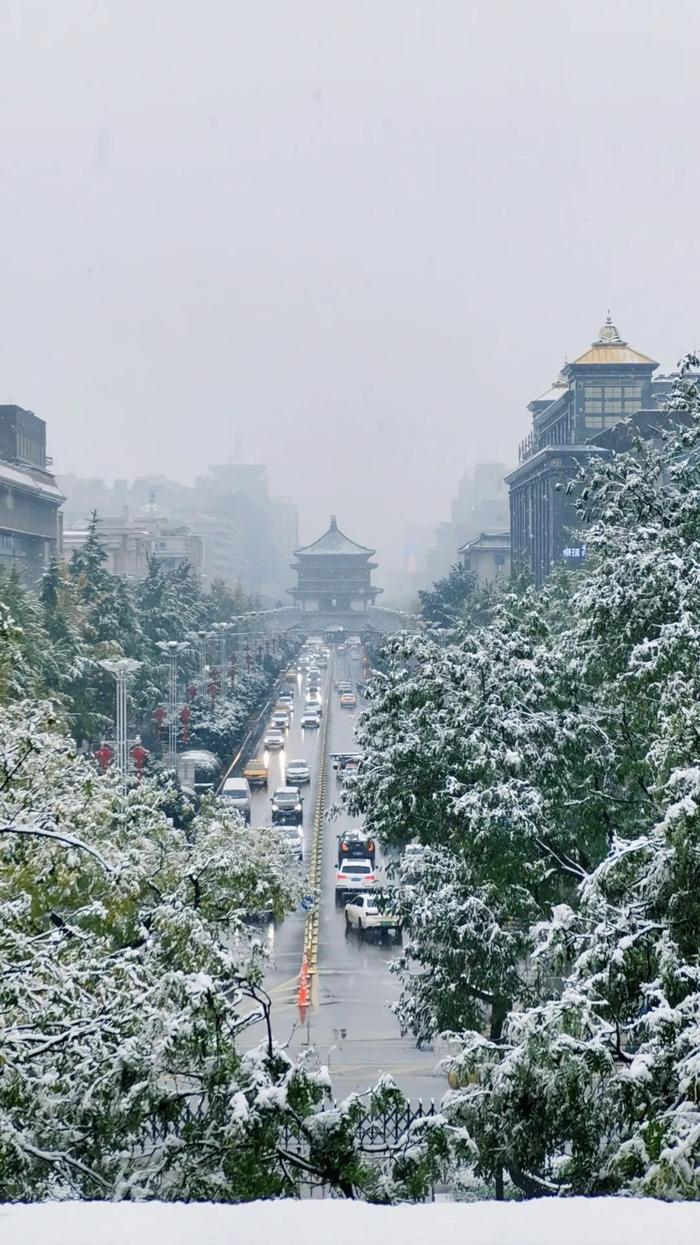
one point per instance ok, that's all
(352, 876)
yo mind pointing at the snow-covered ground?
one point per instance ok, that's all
(579, 1221)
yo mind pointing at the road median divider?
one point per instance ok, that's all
(313, 916)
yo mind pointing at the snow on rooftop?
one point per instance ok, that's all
(575, 1221)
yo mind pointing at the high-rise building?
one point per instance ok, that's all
(602, 386)
(30, 520)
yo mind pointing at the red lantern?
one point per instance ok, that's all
(212, 689)
(159, 716)
(104, 755)
(139, 756)
(185, 719)
(191, 691)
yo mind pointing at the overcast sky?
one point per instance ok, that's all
(347, 238)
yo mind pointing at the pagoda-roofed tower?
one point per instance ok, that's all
(335, 575)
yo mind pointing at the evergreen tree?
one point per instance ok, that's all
(444, 603)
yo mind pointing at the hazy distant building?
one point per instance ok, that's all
(131, 543)
(30, 520)
(284, 535)
(481, 505)
(334, 575)
(488, 556)
(606, 383)
(245, 536)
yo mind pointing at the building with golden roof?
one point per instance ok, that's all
(608, 382)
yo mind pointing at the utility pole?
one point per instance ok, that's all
(203, 636)
(172, 650)
(121, 669)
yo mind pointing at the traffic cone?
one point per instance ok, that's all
(303, 991)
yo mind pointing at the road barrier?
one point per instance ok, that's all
(313, 916)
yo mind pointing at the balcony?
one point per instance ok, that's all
(528, 446)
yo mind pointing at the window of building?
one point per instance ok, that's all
(594, 408)
(633, 393)
(613, 408)
(593, 391)
(594, 421)
(631, 407)
(500, 560)
(613, 391)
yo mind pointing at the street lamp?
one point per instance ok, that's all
(222, 629)
(203, 636)
(172, 650)
(121, 669)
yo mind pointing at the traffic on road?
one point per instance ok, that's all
(349, 1023)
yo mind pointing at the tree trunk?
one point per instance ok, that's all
(499, 1010)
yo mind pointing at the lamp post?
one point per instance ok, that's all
(202, 637)
(222, 629)
(121, 669)
(172, 650)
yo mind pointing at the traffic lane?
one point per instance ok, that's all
(353, 1024)
(284, 940)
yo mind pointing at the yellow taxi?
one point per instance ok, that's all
(256, 772)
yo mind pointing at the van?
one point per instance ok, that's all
(237, 792)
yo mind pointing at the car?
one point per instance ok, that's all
(355, 845)
(298, 772)
(310, 721)
(313, 697)
(280, 720)
(236, 792)
(273, 740)
(313, 706)
(290, 676)
(341, 759)
(348, 700)
(362, 914)
(353, 875)
(256, 772)
(412, 862)
(349, 770)
(287, 806)
(285, 700)
(294, 838)
(314, 684)
(344, 686)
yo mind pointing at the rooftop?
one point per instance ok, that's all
(334, 541)
(487, 540)
(609, 349)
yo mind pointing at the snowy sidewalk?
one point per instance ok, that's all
(603, 1221)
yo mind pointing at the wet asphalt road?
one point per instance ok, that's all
(348, 1022)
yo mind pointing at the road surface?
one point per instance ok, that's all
(349, 1022)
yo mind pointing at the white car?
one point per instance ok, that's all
(352, 876)
(294, 838)
(344, 686)
(348, 700)
(310, 721)
(298, 772)
(274, 740)
(280, 720)
(362, 914)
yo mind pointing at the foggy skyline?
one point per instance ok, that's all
(350, 241)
